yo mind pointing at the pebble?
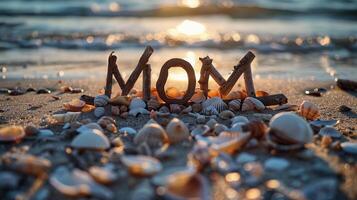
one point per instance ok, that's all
(128, 130)
(77, 90)
(43, 91)
(243, 158)
(344, 108)
(9, 180)
(99, 112)
(4, 91)
(276, 164)
(45, 133)
(349, 147)
(31, 130)
(17, 91)
(201, 119)
(323, 189)
(317, 92)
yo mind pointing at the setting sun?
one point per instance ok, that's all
(191, 3)
(191, 28)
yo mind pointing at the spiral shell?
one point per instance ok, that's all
(68, 117)
(226, 114)
(177, 131)
(99, 111)
(309, 110)
(153, 104)
(234, 105)
(251, 103)
(11, 133)
(153, 134)
(101, 100)
(75, 105)
(137, 103)
(198, 97)
(235, 95)
(215, 102)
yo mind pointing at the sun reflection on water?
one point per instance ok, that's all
(191, 28)
(191, 3)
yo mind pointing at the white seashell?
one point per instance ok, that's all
(137, 103)
(349, 147)
(68, 117)
(78, 183)
(99, 112)
(103, 175)
(211, 123)
(91, 139)
(177, 131)
(128, 130)
(141, 165)
(210, 110)
(251, 103)
(216, 102)
(234, 105)
(330, 131)
(153, 134)
(219, 128)
(289, 129)
(309, 110)
(240, 119)
(226, 114)
(276, 164)
(101, 100)
(135, 112)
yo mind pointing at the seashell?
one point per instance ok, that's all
(87, 108)
(330, 131)
(153, 104)
(164, 109)
(11, 133)
(124, 115)
(234, 105)
(276, 164)
(175, 108)
(257, 128)
(137, 103)
(120, 100)
(141, 165)
(200, 119)
(326, 141)
(213, 93)
(105, 121)
(229, 145)
(173, 93)
(91, 139)
(239, 119)
(251, 103)
(261, 93)
(75, 105)
(186, 110)
(211, 123)
(177, 131)
(123, 108)
(153, 134)
(318, 124)
(235, 95)
(101, 100)
(200, 130)
(128, 131)
(200, 156)
(210, 110)
(89, 127)
(309, 110)
(136, 111)
(349, 147)
(115, 110)
(99, 111)
(78, 183)
(289, 131)
(226, 114)
(68, 117)
(218, 128)
(103, 175)
(198, 97)
(196, 107)
(215, 102)
(111, 128)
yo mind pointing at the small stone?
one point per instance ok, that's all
(123, 108)
(124, 115)
(99, 112)
(31, 130)
(243, 158)
(45, 133)
(201, 119)
(43, 91)
(9, 180)
(317, 92)
(344, 108)
(196, 107)
(115, 110)
(276, 164)
(164, 109)
(17, 91)
(77, 90)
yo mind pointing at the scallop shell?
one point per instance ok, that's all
(120, 100)
(239, 119)
(210, 110)
(75, 105)
(234, 105)
(153, 104)
(153, 134)
(68, 117)
(198, 97)
(99, 111)
(309, 110)
(101, 100)
(226, 114)
(177, 131)
(251, 103)
(330, 131)
(216, 102)
(289, 131)
(137, 103)
(175, 108)
(235, 95)
(196, 107)
(141, 165)
(92, 139)
(11, 133)
(257, 128)
(136, 111)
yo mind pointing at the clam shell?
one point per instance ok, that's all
(330, 131)
(251, 103)
(196, 107)
(141, 165)
(349, 147)
(153, 104)
(137, 103)
(99, 111)
(68, 117)
(318, 124)
(235, 95)
(92, 139)
(257, 128)
(240, 119)
(153, 134)
(215, 102)
(198, 97)
(75, 105)
(177, 131)
(309, 110)
(11, 133)
(234, 105)
(136, 111)
(103, 175)
(226, 114)
(128, 130)
(210, 110)
(175, 108)
(120, 100)
(101, 100)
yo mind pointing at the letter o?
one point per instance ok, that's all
(164, 72)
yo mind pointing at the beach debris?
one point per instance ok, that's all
(137, 103)
(68, 117)
(288, 131)
(216, 104)
(317, 92)
(153, 134)
(276, 164)
(175, 108)
(330, 131)
(43, 91)
(75, 105)
(251, 103)
(344, 108)
(77, 183)
(99, 111)
(235, 105)
(127, 131)
(101, 100)
(244, 157)
(12, 133)
(177, 131)
(120, 100)
(349, 147)
(104, 175)
(239, 119)
(309, 110)
(141, 165)
(153, 103)
(226, 114)
(91, 139)
(198, 97)
(261, 93)
(347, 85)
(108, 123)
(136, 111)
